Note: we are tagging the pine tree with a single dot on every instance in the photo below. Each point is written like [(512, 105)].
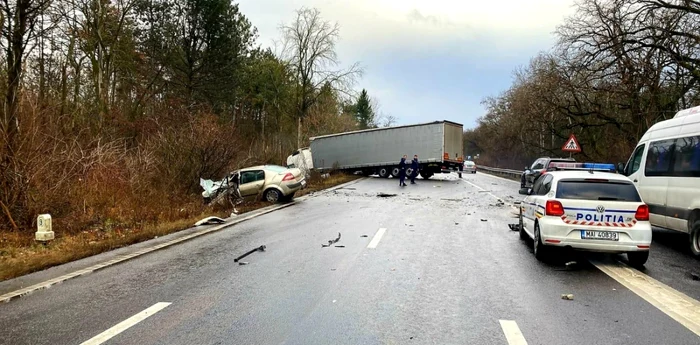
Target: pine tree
[(364, 112)]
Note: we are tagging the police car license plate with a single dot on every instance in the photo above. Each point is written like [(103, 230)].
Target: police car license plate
[(600, 235)]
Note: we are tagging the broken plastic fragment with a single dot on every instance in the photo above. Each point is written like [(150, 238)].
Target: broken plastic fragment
[(209, 221), (568, 297)]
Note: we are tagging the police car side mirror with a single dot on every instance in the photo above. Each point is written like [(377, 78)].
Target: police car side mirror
[(524, 191)]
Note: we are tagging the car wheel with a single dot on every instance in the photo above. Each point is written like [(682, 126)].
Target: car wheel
[(523, 235), (638, 259), (272, 195), (695, 239), (383, 172), (537, 247)]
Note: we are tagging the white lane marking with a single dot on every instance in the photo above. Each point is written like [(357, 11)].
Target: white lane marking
[(377, 237), (482, 189), (673, 303), (496, 177), (126, 324), (512, 332)]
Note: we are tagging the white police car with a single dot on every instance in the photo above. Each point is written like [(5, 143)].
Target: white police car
[(586, 206)]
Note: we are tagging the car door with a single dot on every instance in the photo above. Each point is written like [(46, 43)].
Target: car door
[(539, 191), (651, 179), (530, 206), (252, 183)]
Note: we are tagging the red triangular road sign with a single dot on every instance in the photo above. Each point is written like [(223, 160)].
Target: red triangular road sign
[(571, 145)]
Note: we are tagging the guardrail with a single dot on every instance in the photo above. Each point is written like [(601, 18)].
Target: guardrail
[(514, 174)]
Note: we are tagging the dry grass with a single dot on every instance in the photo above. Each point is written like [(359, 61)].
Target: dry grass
[(20, 254)]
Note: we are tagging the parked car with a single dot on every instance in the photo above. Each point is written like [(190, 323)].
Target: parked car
[(470, 166), (586, 208), (271, 183), (665, 167), (530, 174)]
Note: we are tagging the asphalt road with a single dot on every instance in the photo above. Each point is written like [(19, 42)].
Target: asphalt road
[(438, 265)]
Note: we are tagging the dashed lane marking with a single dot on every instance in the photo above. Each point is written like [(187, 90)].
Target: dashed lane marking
[(126, 324), (377, 237), (512, 332)]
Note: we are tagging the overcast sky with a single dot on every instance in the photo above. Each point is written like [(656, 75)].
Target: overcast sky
[(432, 59)]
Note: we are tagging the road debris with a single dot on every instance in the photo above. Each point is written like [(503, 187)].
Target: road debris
[(571, 264), (261, 248), (568, 297), (456, 223), (340, 246), (331, 242), (364, 236), (514, 227), (694, 276), (484, 220), (210, 221), (242, 263), (385, 195)]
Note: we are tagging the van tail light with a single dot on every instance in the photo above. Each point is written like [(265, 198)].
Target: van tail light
[(288, 177), (554, 208), (642, 213)]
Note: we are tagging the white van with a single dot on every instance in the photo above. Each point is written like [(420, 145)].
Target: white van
[(665, 167)]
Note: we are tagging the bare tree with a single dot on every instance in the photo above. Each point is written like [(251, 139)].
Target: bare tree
[(309, 49)]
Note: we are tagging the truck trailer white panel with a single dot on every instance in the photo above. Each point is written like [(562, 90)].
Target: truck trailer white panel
[(385, 146)]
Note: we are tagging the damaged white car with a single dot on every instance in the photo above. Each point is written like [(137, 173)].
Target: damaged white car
[(272, 183)]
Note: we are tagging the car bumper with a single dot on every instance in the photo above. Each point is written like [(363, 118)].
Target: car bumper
[(555, 232), (293, 187)]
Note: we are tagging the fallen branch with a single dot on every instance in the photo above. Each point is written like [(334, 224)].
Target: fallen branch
[(9, 216)]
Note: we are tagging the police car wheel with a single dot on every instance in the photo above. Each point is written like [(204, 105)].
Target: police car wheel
[(537, 247), (523, 235), (638, 259)]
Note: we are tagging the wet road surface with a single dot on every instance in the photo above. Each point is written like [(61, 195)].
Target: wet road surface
[(435, 264)]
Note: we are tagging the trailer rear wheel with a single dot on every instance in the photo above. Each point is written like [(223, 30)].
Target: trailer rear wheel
[(383, 172), (426, 175), (395, 172)]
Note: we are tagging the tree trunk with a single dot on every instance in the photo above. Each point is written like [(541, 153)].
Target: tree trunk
[(299, 133)]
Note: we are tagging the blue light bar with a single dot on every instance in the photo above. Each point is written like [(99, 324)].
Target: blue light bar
[(600, 166)]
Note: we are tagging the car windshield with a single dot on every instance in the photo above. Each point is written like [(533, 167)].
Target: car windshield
[(598, 190)]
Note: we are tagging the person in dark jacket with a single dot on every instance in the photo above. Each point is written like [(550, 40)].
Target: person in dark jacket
[(414, 167), (402, 171)]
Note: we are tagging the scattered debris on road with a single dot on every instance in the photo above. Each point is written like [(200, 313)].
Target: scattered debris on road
[(484, 220), (456, 223), (210, 221), (568, 297), (514, 227), (340, 246), (242, 263), (261, 248), (571, 264), (385, 195), (364, 236), (331, 242), (457, 200)]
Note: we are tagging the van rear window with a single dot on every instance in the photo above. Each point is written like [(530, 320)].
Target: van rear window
[(597, 190)]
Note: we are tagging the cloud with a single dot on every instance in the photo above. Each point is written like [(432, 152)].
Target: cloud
[(428, 60)]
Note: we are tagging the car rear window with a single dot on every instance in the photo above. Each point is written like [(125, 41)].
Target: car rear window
[(597, 190), (276, 168)]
